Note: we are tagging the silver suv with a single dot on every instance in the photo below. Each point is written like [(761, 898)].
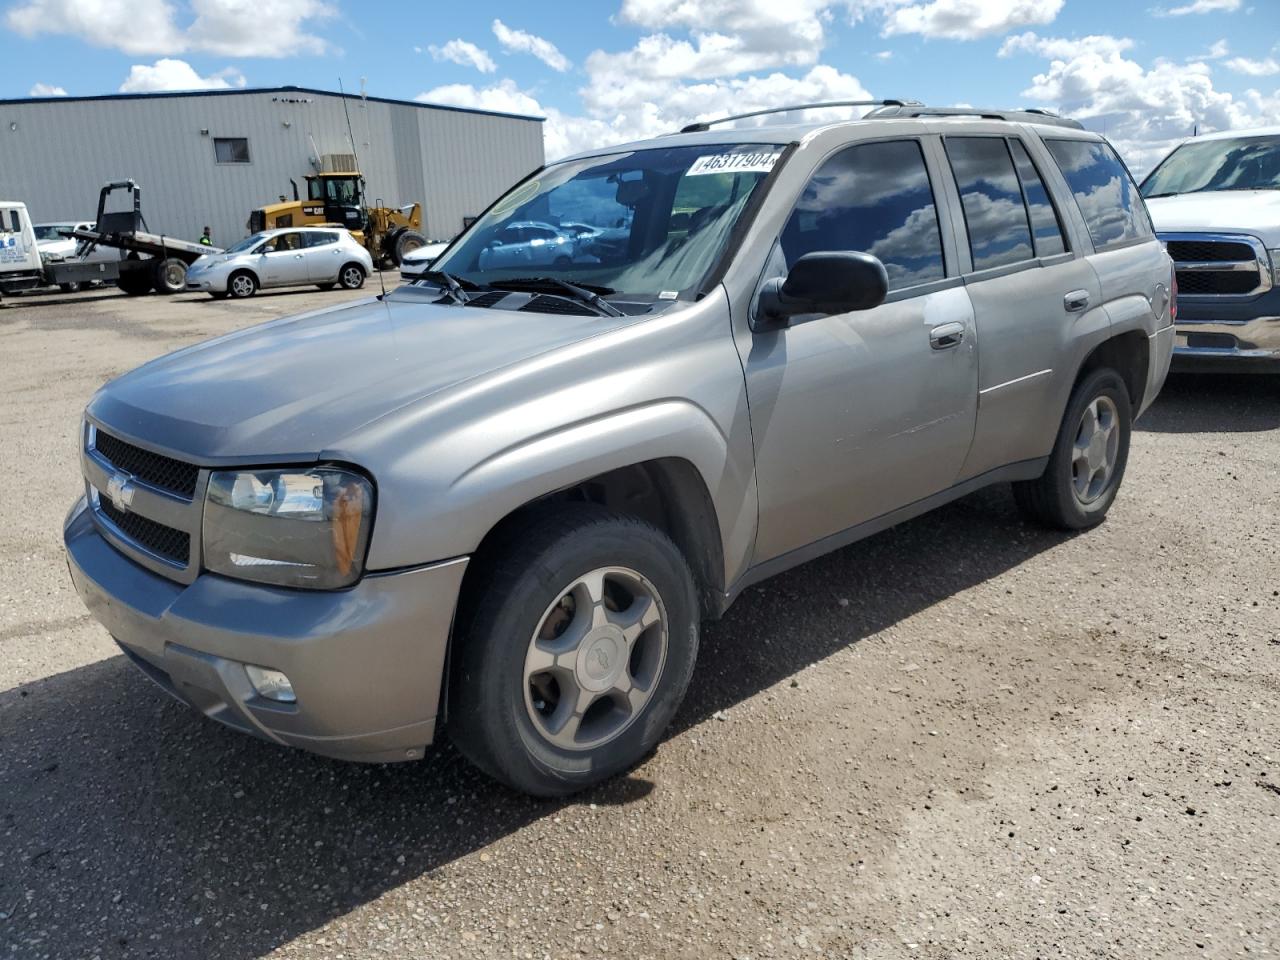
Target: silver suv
[(504, 501)]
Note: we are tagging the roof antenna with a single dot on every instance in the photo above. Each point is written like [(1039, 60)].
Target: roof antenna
[(364, 208)]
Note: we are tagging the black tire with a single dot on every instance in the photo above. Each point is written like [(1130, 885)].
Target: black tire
[(326, 286), (169, 276), (241, 285), (509, 594), (135, 283), (351, 276), (72, 286), (405, 241), (1052, 499)]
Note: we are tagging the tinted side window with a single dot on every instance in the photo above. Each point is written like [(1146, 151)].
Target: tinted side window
[(994, 213), (875, 198), (1044, 218), (1107, 196), (321, 239)]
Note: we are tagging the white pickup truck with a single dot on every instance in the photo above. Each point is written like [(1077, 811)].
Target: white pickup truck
[(20, 265), (1215, 202)]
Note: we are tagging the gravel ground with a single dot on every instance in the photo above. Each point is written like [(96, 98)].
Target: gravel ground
[(962, 738)]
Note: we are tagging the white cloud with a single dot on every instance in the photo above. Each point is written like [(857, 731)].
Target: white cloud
[(464, 53), (257, 28), (1198, 6), (1143, 110), (239, 28), (884, 55), (168, 74), (616, 113), (967, 19), (1217, 50), (1254, 68), (46, 90), (521, 42)]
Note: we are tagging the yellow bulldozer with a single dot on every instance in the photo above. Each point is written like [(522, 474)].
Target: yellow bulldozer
[(337, 199)]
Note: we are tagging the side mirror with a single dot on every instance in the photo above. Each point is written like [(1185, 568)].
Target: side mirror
[(824, 282)]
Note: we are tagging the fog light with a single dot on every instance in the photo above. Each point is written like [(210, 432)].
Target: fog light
[(271, 684)]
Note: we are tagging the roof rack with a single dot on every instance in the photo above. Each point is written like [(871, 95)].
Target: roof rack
[(704, 125), (1025, 115)]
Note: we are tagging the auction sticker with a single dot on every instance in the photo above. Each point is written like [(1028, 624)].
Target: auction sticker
[(759, 161)]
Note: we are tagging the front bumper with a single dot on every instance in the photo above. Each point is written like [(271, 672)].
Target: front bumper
[(1228, 334), (367, 664), (206, 284)]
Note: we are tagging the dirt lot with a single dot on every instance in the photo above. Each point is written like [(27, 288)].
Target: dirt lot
[(962, 738)]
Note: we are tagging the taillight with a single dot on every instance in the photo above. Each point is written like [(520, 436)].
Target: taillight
[(1173, 295)]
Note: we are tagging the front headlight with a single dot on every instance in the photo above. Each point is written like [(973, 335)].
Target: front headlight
[(294, 528)]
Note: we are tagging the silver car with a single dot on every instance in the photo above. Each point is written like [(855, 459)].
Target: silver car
[(500, 501), (528, 244), (317, 256)]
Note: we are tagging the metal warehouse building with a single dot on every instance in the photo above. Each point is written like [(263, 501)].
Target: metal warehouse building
[(209, 157)]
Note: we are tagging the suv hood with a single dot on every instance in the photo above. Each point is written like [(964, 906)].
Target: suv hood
[(290, 389), (1255, 212)]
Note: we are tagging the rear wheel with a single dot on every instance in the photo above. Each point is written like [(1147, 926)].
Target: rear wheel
[(575, 647), (351, 276), (170, 276), (135, 283), (241, 285), (406, 241), (1087, 465), (72, 286)]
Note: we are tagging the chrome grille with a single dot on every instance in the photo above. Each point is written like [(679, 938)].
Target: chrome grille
[(145, 504), (1218, 265)]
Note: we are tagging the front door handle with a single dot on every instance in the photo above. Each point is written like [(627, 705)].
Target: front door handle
[(946, 335), (1076, 301)]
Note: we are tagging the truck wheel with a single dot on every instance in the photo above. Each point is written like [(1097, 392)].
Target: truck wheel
[(574, 650), (351, 276), (406, 241), (242, 284), (170, 276), (135, 283), (1088, 460), (72, 286)]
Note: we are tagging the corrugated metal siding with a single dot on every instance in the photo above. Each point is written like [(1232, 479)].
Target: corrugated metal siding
[(62, 152)]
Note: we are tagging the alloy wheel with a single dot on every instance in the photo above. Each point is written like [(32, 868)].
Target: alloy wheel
[(1094, 453)]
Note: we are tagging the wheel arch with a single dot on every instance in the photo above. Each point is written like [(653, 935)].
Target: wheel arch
[(1127, 353)]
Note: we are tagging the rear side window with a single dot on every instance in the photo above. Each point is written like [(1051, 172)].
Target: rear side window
[(874, 198), (320, 238), (1045, 226), (1104, 191), (994, 214)]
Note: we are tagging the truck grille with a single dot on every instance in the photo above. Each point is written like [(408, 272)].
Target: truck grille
[(173, 545), (164, 473), (1218, 265)]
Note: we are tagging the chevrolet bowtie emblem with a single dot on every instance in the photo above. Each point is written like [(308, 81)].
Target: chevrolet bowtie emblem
[(120, 489)]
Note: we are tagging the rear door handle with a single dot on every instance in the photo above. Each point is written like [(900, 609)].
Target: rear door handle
[(946, 335), (1076, 301)]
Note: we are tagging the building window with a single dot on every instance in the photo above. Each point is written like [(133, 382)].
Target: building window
[(231, 149)]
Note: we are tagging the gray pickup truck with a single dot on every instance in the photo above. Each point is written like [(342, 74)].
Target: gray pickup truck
[(502, 499)]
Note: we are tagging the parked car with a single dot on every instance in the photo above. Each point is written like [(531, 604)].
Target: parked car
[(302, 256), (57, 245), (1215, 200), (528, 244), (413, 263), (502, 500)]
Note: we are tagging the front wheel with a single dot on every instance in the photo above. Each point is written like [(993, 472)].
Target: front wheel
[(575, 648), (1087, 464), (241, 285), (351, 276)]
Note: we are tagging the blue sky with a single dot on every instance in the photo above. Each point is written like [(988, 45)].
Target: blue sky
[(1146, 73)]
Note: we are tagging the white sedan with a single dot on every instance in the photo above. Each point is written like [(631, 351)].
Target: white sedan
[(415, 262), (291, 257)]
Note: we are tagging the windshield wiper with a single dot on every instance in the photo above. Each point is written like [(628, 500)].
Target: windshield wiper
[(455, 287), (588, 293)]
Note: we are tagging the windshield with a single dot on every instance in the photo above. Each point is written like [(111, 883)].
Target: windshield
[(647, 224), (247, 243), (1244, 163), (49, 231)]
